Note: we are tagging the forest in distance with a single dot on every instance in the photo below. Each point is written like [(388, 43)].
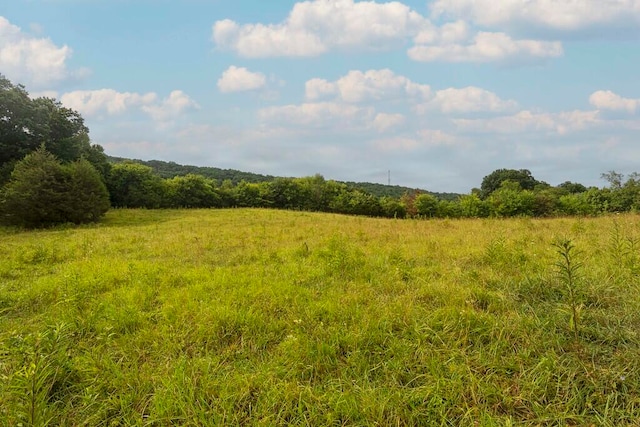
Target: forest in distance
[(51, 173), (173, 169)]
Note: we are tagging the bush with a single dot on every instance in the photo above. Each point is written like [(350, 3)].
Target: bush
[(133, 185), (44, 192)]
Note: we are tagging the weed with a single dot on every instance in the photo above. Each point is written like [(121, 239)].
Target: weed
[(568, 273)]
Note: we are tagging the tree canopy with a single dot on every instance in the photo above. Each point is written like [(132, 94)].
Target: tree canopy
[(494, 180), (26, 124)]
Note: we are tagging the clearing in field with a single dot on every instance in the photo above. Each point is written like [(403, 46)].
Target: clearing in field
[(260, 317)]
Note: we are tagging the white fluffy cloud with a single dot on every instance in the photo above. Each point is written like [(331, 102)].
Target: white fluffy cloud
[(487, 47), (467, 100), (384, 122), (175, 104), (376, 85), (320, 114), (318, 26), (436, 137), (93, 103), (314, 27), (562, 15), (527, 121), (372, 85), (36, 62), (422, 139), (239, 79), (607, 100)]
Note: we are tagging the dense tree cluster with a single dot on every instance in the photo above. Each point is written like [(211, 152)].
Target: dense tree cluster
[(50, 173)]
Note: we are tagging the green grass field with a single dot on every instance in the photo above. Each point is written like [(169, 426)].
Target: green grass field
[(261, 317)]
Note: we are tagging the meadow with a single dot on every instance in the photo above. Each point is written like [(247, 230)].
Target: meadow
[(267, 318)]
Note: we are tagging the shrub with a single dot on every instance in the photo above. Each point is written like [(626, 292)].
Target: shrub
[(43, 192)]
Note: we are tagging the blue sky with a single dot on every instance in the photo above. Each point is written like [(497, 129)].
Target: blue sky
[(439, 92)]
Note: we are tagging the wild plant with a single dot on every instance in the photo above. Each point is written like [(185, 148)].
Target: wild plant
[(43, 377), (624, 249), (568, 269)]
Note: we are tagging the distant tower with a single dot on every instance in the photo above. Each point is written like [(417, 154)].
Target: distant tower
[(389, 177)]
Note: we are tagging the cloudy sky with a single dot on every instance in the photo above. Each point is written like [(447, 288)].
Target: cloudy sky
[(439, 92)]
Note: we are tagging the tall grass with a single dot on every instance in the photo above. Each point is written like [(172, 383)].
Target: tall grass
[(259, 317)]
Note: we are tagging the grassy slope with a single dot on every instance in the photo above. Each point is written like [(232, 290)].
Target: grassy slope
[(272, 318)]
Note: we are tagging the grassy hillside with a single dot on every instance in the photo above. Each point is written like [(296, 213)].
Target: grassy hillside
[(259, 317)]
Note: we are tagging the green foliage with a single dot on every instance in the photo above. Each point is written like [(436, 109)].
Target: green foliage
[(247, 195), (517, 194), (27, 124), (88, 198), (168, 170), (494, 180), (509, 200), (472, 206), (132, 185), (193, 191), (392, 208), (426, 205), (396, 191), (576, 204), (286, 193), (568, 273), (572, 187), (44, 192)]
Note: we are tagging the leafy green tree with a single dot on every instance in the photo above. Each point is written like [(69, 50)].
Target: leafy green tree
[(623, 196), (36, 192), (426, 205), (408, 200), (192, 191), (510, 200), (614, 179), (546, 201), (572, 187), (43, 192), (472, 206), (494, 180), (88, 198), (18, 126), (318, 193), (26, 124), (132, 185), (392, 208), (575, 204), (286, 193), (356, 202), (251, 195), (449, 209)]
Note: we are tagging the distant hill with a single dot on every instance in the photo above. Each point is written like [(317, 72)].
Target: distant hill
[(172, 169), (397, 191)]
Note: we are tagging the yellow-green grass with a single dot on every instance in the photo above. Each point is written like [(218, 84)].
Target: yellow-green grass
[(262, 317)]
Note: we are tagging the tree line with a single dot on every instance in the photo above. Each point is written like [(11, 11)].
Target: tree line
[(173, 169), (50, 173)]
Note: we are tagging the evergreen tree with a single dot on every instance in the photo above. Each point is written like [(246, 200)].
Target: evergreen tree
[(43, 192)]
